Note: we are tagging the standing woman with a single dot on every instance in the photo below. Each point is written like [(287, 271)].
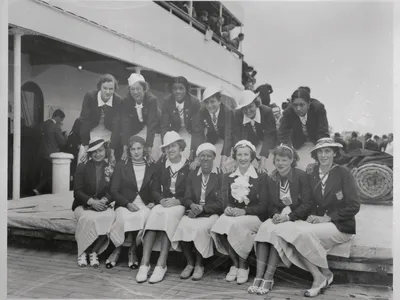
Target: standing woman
[(166, 215), (91, 204), (140, 117), (101, 116), (302, 124), (214, 124), (178, 111), (131, 189), (204, 204), (245, 195), (332, 221), (289, 199), (256, 123)]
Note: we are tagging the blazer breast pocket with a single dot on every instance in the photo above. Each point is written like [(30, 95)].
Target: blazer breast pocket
[(339, 195)]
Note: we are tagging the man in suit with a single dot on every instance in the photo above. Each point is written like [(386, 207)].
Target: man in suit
[(51, 141), (370, 144), (354, 143), (338, 139), (265, 90)]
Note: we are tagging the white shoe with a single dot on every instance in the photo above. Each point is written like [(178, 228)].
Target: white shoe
[(94, 260), (142, 274), (231, 276), (82, 260), (158, 274), (242, 275)]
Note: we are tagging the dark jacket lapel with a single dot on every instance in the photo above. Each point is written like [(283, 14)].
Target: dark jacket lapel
[(147, 175), (186, 110), (212, 181), (331, 181), (221, 117), (91, 175), (181, 176), (130, 173), (316, 185), (294, 186)]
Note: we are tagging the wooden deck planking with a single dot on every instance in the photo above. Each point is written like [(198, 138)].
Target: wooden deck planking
[(44, 274)]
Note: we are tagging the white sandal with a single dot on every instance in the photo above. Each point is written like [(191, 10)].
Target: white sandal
[(261, 290), (82, 260), (253, 288), (94, 261)]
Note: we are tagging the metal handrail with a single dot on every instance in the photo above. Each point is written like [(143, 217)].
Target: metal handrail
[(198, 25)]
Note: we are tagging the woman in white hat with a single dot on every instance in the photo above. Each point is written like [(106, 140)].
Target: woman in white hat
[(289, 199), (302, 123), (132, 192), (331, 220), (178, 111), (169, 191), (244, 193), (203, 205), (140, 117), (214, 124), (91, 204), (101, 117), (256, 123)]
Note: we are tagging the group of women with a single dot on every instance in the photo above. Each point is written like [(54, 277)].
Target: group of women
[(223, 196)]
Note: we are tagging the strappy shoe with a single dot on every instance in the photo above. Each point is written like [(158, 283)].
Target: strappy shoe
[(132, 264), (262, 290), (113, 258), (82, 260), (315, 291), (253, 288), (94, 260), (187, 272), (329, 280)]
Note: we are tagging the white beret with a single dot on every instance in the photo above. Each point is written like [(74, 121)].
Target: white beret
[(206, 146), (244, 143), (135, 78)]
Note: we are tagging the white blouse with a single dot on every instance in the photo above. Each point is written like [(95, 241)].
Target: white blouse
[(174, 170)]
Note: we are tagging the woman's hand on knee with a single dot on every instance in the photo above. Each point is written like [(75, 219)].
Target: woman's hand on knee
[(150, 205)]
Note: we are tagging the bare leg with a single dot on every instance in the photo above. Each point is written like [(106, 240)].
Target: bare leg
[(199, 259), (262, 257), (165, 245), (98, 243), (327, 273), (232, 254), (319, 278), (273, 261), (132, 251), (187, 249), (148, 242)]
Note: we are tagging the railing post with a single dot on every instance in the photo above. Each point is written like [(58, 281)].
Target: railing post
[(61, 171), (191, 11)]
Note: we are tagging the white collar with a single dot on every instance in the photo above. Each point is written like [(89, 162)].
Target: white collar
[(216, 114), (304, 118), (179, 105), (251, 172), (168, 163), (256, 118), (100, 101), (214, 170)]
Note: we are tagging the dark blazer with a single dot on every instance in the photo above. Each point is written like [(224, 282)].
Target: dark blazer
[(162, 182), (214, 204), (258, 205), (85, 184), (266, 131), (371, 145), (170, 116), (353, 145), (124, 188), (340, 200), (300, 192), (51, 139), (90, 118), (203, 123), (130, 120), (290, 131)]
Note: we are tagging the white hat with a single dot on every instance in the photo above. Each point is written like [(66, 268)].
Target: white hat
[(210, 91), (325, 142), (135, 78), (244, 143), (206, 146), (171, 137), (95, 144), (246, 98)]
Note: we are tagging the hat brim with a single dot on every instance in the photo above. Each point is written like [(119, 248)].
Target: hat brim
[(331, 145), (165, 145), (209, 96), (95, 147), (248, 102)]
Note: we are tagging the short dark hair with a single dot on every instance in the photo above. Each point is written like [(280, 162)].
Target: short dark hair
[(376, 137), (182, 80), (354, 134), (368, 135), (58, 113), (337, 134), (285, 152), (302, 93), (384, 136), (306, 88), (335, 149), (253, 153), (107, 78), (241, 34)]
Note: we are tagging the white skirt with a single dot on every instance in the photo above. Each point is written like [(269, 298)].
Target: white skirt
[(312, 241), (156, 150), (241, 232), (90, 225), (196, 230), (100, 131), (187, 137), (164, 219), (127, 221), (305, 156)]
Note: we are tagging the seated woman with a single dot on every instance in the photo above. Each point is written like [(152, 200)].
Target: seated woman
[(132, 191), (302, 123), (166, 215), (214, 124), (91, 204), (204, 204), (332, 222), (289, 199), (139, 117), (256, 123), (245, 195)]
